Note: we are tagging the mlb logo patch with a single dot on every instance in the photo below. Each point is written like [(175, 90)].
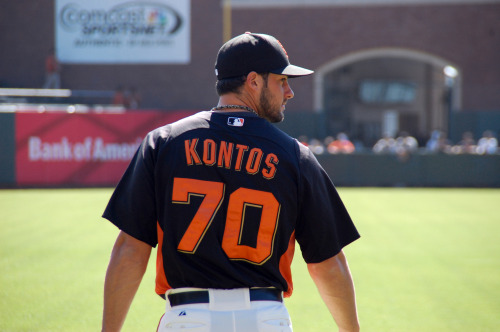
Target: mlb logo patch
[(235, 122)]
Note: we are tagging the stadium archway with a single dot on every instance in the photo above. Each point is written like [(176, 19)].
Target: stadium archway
[(385, 91)]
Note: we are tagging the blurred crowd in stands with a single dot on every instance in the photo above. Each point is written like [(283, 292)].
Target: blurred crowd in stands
[(404, 144), (52, 71), (126, 97)]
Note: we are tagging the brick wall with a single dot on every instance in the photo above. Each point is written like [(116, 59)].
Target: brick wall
[(466, 35)]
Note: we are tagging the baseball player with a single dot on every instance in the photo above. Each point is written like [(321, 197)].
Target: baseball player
[(224, 196)]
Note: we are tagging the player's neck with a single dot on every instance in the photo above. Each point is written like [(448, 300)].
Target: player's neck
[(234, 99)]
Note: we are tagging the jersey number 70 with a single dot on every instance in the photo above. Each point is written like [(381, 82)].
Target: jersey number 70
[(213, 194)]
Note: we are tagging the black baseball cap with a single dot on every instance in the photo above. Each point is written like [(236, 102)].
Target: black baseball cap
[(255, 52)]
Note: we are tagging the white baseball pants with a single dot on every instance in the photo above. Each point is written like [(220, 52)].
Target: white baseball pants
[(227, 311)]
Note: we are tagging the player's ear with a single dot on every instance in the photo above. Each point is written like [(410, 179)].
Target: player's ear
[(253, 80)]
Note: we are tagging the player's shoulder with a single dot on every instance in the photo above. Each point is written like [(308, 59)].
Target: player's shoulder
[(162, 135), (195, 121), (287, 144), (307, 159)]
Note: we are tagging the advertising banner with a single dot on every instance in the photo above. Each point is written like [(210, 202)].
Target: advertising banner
[(55, 149), (122, 31)]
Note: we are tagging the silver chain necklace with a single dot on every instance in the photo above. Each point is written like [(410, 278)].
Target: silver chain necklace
[(241, 107)]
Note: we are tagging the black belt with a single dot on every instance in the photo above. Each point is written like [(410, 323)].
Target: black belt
[(194, 297)]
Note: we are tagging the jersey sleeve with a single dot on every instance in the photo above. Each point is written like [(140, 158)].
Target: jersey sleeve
[(324, 226), (132, 207)]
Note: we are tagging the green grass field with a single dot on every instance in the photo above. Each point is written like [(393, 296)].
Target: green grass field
[(428, 260)]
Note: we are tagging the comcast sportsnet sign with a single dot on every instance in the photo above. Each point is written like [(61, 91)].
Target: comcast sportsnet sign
[(118, 31)]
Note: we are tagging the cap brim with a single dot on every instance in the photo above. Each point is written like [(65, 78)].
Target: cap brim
[(293, 71)]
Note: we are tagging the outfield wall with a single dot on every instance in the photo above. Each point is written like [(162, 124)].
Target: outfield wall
[(419, 170), (7, 150), (93, 149)]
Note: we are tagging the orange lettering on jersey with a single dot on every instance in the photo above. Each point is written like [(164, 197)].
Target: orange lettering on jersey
[(271, 162), (225, 154), (241, 150), (209, 149), (254, 159), (222, 153), (239, 200), (191, 155)]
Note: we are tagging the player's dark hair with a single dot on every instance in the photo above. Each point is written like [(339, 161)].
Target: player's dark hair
[(233, 84), (228, 85)]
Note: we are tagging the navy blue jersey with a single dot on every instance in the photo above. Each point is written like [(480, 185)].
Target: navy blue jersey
[(225, 196)]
